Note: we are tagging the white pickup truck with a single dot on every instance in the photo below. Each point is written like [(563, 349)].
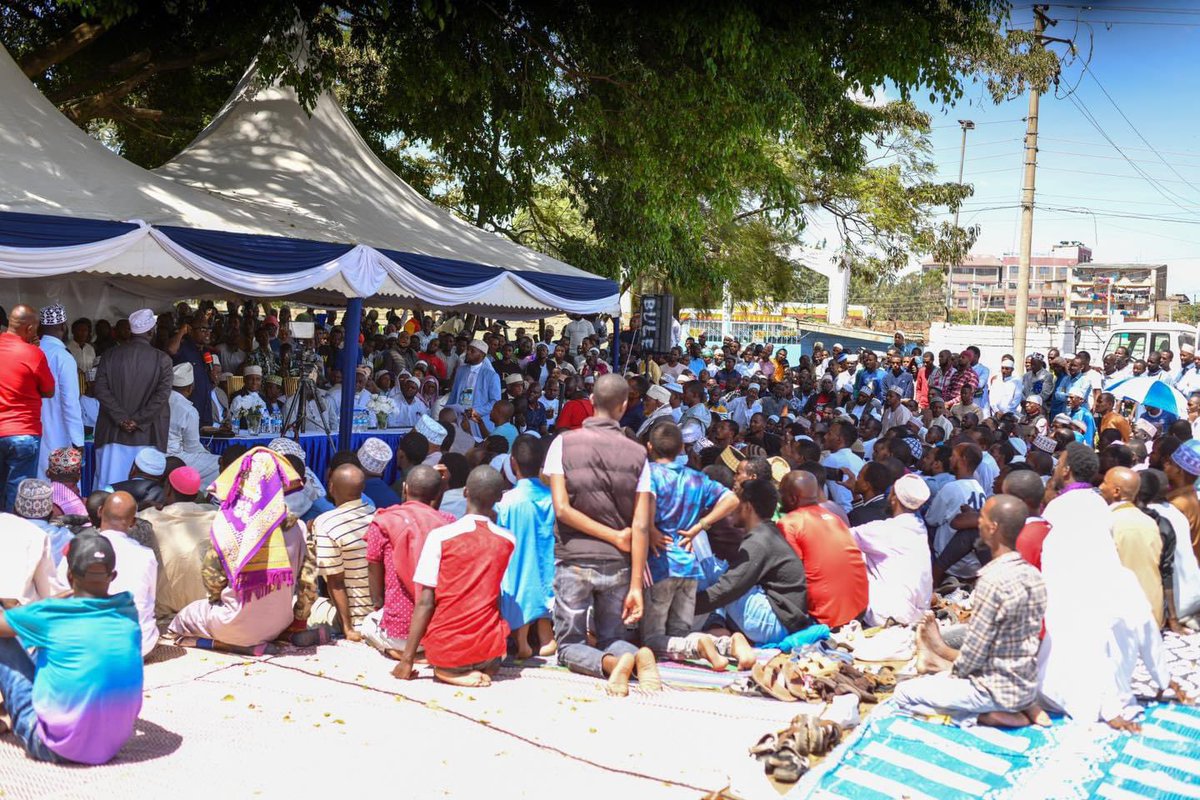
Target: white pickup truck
[(1146, 337)]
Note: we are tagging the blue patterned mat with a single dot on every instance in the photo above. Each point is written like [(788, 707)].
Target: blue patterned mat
[(893, 755)]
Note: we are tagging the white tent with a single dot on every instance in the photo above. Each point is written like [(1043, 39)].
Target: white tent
[(62, 195)]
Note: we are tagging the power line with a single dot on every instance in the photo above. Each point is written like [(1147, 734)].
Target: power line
[(1134, 128)]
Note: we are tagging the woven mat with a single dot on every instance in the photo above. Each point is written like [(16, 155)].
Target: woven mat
[(894, 755)]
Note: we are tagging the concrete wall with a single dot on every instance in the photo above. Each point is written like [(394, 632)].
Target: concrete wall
[(994, 341)]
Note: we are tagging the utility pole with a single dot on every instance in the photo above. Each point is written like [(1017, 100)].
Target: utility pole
[(966, 125), (1021, 318)]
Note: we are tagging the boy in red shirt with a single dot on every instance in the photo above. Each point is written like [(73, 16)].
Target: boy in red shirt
[(457, 619)]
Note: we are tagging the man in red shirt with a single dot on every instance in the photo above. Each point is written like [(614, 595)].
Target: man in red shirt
[(837, 576), (25, 378), (1026, 485), (457, 619), (395, 539)]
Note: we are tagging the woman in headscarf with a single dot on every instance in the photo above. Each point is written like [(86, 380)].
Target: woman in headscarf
[(256, 567), (430, 390), (63, 471)]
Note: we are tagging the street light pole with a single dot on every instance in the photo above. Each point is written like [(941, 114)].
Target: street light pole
[(966, 125)]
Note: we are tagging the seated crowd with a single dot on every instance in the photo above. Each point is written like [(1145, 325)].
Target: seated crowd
[(699, 506)]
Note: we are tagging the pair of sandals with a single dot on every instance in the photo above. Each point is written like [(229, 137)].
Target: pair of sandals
[(785, 755), (814, 680)]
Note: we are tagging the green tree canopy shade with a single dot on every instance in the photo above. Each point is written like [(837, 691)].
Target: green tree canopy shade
[(684, 142)]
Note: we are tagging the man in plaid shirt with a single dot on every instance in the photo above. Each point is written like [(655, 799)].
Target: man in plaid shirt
[(993, 678), (963, 376)]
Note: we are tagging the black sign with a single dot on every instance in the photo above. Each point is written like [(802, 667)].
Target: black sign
[(657, 316)]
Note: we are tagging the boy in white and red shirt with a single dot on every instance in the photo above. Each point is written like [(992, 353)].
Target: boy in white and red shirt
[(457, 619)]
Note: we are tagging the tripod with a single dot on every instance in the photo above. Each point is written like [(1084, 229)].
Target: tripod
[(298, 405)]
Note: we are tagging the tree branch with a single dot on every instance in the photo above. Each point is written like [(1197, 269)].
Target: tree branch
[(88, 108), (61, 49)]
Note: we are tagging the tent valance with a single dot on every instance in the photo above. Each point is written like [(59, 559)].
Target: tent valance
[(38, 245)]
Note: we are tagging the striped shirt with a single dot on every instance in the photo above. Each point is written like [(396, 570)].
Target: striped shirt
[(341, 539)]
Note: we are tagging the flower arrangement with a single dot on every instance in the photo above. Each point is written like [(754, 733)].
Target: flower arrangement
[(383, 407), (250, 409)]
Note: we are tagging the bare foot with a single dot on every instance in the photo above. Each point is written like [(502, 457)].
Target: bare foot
[(928, 661), (742, 651), (618, 679), (548, 649), (1037, 716), (524, 651), (472, 679), (647, 670), (710, 653), (1004, 719), (929, 631), (394, 655)]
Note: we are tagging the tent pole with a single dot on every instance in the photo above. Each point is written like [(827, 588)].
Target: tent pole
[(352, 324), (614, 344)]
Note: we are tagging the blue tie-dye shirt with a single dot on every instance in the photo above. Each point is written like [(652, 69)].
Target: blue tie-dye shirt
[(681, 497), (87, 691)]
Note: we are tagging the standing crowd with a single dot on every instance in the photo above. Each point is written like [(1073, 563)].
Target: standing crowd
[(573, 496)]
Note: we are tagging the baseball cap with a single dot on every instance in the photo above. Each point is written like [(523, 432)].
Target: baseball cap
[(87, 549)]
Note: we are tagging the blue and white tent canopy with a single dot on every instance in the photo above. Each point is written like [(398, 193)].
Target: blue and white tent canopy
[(266, 202)]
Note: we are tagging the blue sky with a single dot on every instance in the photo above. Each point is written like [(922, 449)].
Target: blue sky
[(1147, 56)]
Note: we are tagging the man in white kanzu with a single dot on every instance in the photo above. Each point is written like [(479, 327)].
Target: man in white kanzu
[(183, 433), (62, 418), (1004, 390)]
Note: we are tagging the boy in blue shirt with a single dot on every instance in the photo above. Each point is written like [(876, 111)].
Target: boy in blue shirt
[(686, 502), (79, 700)]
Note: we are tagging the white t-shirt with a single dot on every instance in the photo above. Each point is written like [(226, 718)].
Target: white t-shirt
[(554, 465), (944, 507), (842, 458)]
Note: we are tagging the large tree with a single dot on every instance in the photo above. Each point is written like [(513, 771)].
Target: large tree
[(685, 142)]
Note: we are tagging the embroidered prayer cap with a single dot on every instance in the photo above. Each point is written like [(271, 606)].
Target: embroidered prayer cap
[(1061, 419), (868, 387), (1044, 443), (893, 389), (692, 431), (659, 393), (251, 371), (54, 315), (287, 447), (35, 499), (672, 386), (65, 461), (374, 455), (1146, 428), (731, 458), (431, 429), (151, 461), (753, 387), (513, 377), (480, 345), (1036, 399), (779, 468), (184, 375), (1075, 391), (1018, 445), (911, 491), (1187, 348), (185, 480), (914, 447), (142, 321), (275, 379), (1186, 457)]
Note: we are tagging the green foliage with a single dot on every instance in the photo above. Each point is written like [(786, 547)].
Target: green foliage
[(683, 146)]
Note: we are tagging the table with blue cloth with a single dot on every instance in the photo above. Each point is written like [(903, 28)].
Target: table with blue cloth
[(318, 451)]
